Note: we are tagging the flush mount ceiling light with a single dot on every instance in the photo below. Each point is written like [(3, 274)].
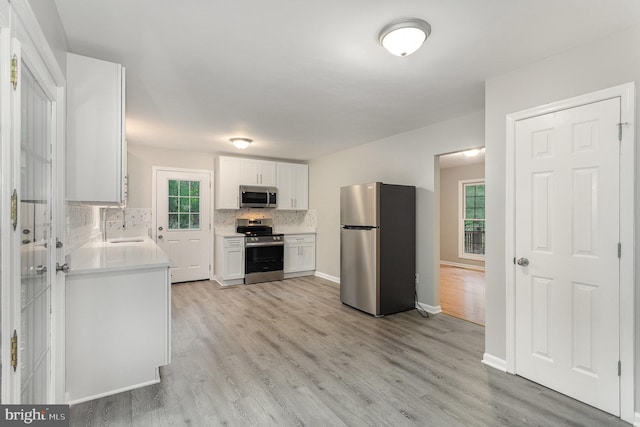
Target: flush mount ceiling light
[(241, 143), (404, 36), (473, 152)]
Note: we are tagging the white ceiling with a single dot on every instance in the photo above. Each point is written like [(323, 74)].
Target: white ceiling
[(305, 78)]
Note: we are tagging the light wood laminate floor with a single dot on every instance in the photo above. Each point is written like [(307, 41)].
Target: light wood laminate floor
[(290, 354), (462, 293)]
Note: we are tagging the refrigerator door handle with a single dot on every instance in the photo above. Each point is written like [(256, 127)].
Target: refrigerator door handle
[(359, 227)]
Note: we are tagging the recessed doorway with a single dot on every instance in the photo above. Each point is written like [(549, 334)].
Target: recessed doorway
[(462, 234)]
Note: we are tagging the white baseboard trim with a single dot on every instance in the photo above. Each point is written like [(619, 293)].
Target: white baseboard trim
[(234, 282), (431, 309), (636, 419), (459, 265), (298, 274), (327, 277), (112, 392), (494, 362)]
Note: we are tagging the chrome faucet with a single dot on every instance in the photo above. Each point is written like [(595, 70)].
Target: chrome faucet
[(104, 220)]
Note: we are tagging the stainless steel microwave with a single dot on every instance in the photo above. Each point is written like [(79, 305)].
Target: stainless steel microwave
[(258, 197)]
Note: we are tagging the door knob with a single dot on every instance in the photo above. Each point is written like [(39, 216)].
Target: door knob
[(160, 228), (160, 236), (64, 267), (41, 269), (523, 262)]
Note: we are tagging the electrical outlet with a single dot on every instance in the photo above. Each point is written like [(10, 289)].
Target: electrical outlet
[(417, 278)]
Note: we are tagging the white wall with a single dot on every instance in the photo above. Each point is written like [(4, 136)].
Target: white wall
[(51, 25), (450, 210), (604, 63), (408, 159), (140, 161)]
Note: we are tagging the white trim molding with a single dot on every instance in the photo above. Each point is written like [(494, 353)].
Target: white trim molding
[(327, 277), (627, 95), (494, 362), (431, 309), (459, 265)]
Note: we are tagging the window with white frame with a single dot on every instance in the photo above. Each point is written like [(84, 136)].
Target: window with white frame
[(472, 219)]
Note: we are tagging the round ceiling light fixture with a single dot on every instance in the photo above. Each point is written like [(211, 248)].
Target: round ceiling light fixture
[(241, 143), (404, 36)]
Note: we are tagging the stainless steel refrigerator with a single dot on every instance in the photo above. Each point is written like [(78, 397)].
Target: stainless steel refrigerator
[(378, 247)]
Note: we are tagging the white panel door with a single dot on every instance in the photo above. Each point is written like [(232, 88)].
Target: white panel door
[(183, 223), (567, 228)]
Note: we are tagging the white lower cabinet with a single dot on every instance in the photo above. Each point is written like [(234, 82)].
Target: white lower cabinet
[(299, 255), (118, 331), (229, 266)]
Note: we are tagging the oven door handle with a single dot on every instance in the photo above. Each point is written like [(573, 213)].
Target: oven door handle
[(256, 245)]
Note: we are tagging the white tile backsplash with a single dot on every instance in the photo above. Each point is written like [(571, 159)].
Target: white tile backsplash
[(306, 219), (82, 224), (128, 222)]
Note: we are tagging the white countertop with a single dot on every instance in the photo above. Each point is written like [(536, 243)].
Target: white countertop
[(99, 256), (227, 232), (285, 229)]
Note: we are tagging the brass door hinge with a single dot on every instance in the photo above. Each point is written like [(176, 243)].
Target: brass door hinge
[(14, 351), (14, 72), (14, 209)]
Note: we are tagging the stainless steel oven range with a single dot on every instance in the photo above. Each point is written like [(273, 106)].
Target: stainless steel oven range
[(263, 250)]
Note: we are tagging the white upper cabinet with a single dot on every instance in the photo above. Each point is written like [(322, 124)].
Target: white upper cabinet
[(96, 147), (293, 186), (291, 180), (228, 183), (257, 172)]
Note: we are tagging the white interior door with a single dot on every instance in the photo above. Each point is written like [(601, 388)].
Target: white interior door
[(183, 222), (567, 301)]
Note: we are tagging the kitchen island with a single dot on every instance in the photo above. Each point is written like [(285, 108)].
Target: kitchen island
[(118, 317)]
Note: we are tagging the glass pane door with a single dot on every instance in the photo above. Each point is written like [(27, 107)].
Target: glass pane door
[(36, 251)]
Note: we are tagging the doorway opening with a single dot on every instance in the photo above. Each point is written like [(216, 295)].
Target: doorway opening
[(462, 234)]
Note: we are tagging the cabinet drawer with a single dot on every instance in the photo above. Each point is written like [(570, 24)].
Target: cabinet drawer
[(300, 238), (234, 242)]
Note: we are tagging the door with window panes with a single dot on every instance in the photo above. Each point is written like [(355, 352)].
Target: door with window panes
[(472, 220), (182, 221)]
